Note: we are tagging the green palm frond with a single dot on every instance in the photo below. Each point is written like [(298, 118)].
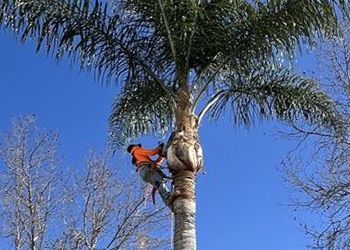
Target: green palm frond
[(90, 34), (152, 33), (245, 31), (173, 21), (269, 92), (160, 33), (141, 109), (241, 34), (279, 25)]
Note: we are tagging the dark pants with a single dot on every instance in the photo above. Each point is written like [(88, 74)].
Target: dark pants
[(156, 179)]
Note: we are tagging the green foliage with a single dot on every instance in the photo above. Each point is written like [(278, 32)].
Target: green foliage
[(93, 35), (271, 92), (150, 46), (139, 111)]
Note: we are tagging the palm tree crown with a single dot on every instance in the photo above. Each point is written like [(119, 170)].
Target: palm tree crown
[(221, 54)]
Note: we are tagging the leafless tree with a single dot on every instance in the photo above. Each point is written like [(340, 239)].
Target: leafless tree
[(322, 182), (42, 207), (106, 212), (29, 184)]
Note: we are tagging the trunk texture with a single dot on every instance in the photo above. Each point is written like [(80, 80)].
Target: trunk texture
[(184, 155), (184, 209)]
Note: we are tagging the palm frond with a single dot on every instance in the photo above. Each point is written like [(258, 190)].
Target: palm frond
[(280, 25), (90, 34), (242, 34), (141, 109), (269, 92), (253, 31), (173, 21), (151, 33)]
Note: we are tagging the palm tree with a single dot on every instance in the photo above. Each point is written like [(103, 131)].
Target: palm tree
[(180, 60)]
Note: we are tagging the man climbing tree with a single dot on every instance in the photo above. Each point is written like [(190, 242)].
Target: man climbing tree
[(180, 60), (149, 169)]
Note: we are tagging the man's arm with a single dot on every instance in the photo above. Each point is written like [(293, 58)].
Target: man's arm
[(147, 152)]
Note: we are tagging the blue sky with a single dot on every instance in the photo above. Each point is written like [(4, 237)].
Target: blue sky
[(239, 198)]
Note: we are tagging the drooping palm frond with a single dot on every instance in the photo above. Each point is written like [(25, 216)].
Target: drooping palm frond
[(280, 25), (246, 33), (113, 43), (274, 93), (88, 33), (157, 34), (141, 109), (174, 21)]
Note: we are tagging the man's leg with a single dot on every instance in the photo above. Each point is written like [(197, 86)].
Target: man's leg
[(155, 178), (145, 173), (159, 183)]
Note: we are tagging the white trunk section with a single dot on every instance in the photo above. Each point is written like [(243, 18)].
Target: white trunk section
[(185, 224), (184, 209)]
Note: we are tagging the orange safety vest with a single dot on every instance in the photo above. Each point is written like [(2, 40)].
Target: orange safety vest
[(142, 156)]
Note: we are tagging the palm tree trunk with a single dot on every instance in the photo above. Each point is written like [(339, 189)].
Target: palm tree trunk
[(184, 155), (184, 209)]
